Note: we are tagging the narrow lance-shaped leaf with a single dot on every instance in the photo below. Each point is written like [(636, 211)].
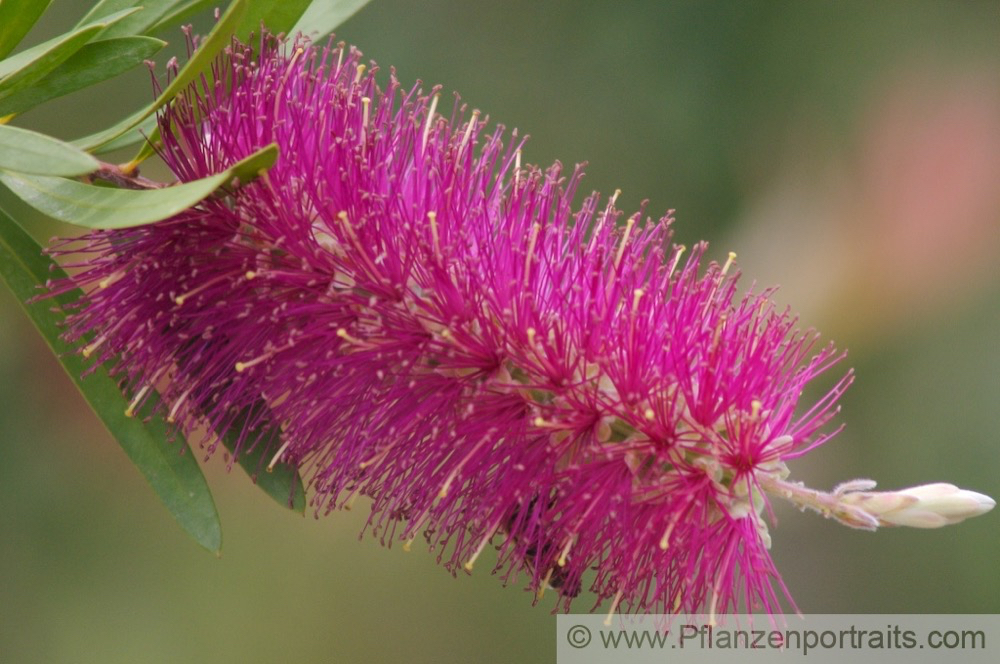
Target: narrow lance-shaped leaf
[(16, 18), (277, 15), (180, 12), (142, 23), (127, 131), (174, 476), (216, 40), (24, 69), (103, 8), (93, 206), (141, 132), (325, 16), (95, 62), (280, 481), (27, 151)]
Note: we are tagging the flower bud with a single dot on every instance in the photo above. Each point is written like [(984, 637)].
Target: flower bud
[(925, 506)]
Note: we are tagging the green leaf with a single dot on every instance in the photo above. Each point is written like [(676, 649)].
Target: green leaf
[(148, 149), (95, 62), (154, 13), (278, 15), (24, 69), (16, 18), (92, 206), (282, 482), (169, 466), (325, 16), (27, 151), (180, 13), (124, 129), (137, 134), (21, 70), (201, 60), (104, 8)]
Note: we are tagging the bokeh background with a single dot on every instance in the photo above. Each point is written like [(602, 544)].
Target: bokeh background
[(849, 152)]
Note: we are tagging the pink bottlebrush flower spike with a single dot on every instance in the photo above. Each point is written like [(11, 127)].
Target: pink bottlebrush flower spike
[(401, 308)]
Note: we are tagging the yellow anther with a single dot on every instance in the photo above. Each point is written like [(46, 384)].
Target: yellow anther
[(365, 104), (665, 540), (677, 257), (343, 334), (535, 230), (130, 411), (649, 414), (89, 350), (565, 552), (468, 129), (430, 119), (614, 607), (110, 279), (729, 262), (177, 405), (629, 224), (479, 549), (432, 219), (277, 456)]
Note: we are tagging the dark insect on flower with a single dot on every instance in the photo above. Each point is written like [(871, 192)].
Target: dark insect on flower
[(555, 576)]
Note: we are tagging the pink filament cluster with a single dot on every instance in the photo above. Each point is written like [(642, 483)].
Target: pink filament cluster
[(405, 313)]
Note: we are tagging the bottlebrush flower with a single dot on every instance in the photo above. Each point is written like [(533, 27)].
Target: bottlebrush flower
[(406, 312)]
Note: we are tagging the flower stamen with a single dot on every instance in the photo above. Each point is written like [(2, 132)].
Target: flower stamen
[(111, 278), (629, 224), (530, 253), (179, 300), (432, 219), (264, 357), (468, 130), (177, 404), (277, 456), (130, 411), (614, 607), (430, 120)]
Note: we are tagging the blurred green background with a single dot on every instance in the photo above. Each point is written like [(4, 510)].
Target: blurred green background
[(848, 151)]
